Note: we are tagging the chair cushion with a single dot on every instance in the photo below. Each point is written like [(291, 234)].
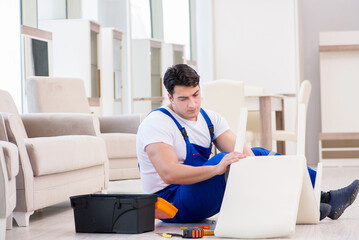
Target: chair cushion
[(11, 159), (120, 145), (64, 153)]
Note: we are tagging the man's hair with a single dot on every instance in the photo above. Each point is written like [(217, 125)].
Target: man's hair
[(180, 75)]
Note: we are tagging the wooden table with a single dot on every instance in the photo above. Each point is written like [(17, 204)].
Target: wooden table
[(265, 104)]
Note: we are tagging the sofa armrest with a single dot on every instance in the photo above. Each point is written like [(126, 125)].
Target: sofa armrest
[(11, 156), (16, 134), (55, 124), (3, 136), (121, 123)]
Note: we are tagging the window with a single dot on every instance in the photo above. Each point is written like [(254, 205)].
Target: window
[(177, 24), (140, 19)]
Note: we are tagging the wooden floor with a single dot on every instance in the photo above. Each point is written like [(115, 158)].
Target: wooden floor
[(57, 222)]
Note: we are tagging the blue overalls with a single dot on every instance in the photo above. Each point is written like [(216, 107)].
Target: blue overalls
[(196, 202)]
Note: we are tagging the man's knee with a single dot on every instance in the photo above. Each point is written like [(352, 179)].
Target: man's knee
[(259, 151), (216, 159)]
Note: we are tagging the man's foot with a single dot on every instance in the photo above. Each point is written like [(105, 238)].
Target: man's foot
[(324, 210), (342, 198)]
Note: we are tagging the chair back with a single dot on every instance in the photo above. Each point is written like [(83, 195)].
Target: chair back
[(302, 108), (303, 98), (304, 93), (56, 95), (225, 97)]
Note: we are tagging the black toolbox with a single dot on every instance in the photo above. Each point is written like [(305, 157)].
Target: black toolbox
[(114, 213)]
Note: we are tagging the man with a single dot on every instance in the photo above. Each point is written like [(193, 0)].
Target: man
[(174, 144)]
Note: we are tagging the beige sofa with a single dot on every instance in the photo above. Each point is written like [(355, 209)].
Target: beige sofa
[(60, 156), (68, 95), (9, 168)]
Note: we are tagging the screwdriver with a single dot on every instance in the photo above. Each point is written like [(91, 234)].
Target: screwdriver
[(205, 232), (203, 227), (187, 233)]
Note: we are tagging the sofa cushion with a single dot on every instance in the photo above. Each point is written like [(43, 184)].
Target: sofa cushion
[(120, 145), (65, 153), (11, 159)]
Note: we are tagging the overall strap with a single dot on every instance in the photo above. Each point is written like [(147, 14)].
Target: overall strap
[(209, 123), (179, 126)]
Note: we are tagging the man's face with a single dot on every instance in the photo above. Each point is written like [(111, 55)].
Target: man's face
[(186, 101)]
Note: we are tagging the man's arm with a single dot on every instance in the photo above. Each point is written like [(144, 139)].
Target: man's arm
[(164, 159), (226, 142)]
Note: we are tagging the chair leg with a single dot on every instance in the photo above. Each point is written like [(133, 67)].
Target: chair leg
[(22, 218), (9, 222), (2, 228)]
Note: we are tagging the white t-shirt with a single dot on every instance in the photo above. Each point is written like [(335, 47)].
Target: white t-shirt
[(158, 127)]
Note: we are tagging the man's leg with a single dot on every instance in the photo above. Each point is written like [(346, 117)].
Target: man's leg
[(340, 199), (196, 202)]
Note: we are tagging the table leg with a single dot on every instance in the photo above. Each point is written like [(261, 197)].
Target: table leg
[(265, 110), (279, 117)]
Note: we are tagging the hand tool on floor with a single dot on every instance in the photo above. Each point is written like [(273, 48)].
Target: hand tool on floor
[(205, 228), (187, 233)]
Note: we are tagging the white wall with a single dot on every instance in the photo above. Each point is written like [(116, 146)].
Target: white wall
[(10, 58), (204, 39), (318, 16)]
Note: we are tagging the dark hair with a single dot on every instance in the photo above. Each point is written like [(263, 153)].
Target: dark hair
[(182, 75)]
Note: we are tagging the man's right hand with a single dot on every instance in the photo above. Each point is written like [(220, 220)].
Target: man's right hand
[(227, 160)]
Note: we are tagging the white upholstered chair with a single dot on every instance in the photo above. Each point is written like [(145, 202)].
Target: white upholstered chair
[(226, 97), (9, 168), (60, 156), (68, 95), (298, 135)]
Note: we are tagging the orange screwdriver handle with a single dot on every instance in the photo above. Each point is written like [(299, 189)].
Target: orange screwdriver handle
[(193, 233)]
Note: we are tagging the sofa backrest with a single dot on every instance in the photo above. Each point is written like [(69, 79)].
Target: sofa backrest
[(56, 95)]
